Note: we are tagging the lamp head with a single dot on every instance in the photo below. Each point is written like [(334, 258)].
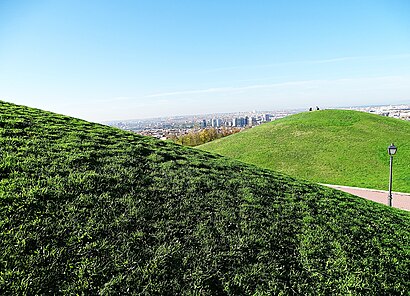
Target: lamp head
[(392, 149)]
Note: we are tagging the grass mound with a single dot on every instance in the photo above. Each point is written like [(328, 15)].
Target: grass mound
[(89, 209), (331, 146)]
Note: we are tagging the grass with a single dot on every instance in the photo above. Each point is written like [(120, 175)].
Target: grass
[(88, 209), (331, 146)]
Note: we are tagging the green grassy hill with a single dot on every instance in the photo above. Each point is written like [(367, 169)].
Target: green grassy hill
[(330, 146), (88, 209)]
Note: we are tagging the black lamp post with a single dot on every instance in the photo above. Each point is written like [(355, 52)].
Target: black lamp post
[(392, 150)]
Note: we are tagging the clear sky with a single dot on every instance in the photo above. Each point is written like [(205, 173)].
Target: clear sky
[(103, 60)]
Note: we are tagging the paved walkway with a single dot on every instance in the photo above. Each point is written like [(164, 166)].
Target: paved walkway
[(400, 200)]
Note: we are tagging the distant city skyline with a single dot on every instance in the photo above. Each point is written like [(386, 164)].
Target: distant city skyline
[(106, 60)]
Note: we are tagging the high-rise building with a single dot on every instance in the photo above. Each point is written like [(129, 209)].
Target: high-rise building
[(216, 122), (239, 122), (251, 121), (235, 121)]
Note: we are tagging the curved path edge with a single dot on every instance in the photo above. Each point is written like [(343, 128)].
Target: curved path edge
[(400, 200)]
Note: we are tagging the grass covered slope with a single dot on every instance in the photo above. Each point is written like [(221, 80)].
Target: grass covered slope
[(86, 208), (331, 146)]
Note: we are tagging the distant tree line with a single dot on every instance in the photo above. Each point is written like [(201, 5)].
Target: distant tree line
[(203, 136)]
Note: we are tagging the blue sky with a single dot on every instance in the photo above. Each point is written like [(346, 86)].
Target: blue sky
[(103, 60)]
